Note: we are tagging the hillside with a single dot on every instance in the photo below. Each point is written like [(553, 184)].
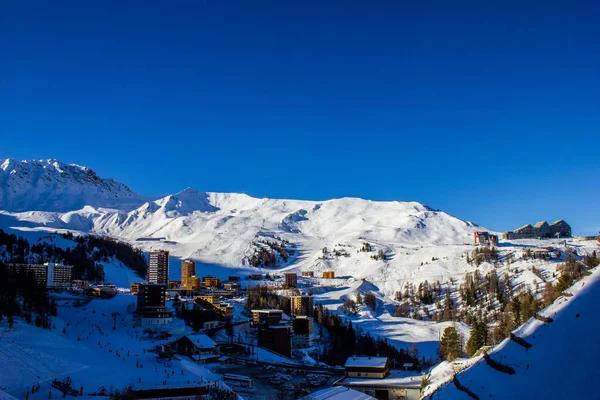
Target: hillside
[(560, 363), (83, 346), (227, 229), (387, 248)]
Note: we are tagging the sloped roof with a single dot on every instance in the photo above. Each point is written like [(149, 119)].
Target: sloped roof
[(199, 357), (399, 379), (371, 362), (526, 226), (200, 340), (338, 393)]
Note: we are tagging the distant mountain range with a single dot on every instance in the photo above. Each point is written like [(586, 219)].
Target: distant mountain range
[(224, 229)]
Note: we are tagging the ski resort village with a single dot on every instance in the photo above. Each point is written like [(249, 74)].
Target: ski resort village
[(105, 293)]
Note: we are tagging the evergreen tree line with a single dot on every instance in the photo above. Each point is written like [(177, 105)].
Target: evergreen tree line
[(536, 255), (591, 260), (490, 325), (346, 341), (424, 293), (84, 256), (21, 296), (483, 254), (266, 256), (262, 297), (351, 306)]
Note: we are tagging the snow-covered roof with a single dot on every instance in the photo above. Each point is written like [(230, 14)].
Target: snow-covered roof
[(395, 379), (198, 357), (338, 393), (372, 362), (202, 341)]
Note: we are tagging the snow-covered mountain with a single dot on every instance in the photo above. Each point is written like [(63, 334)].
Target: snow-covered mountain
[(226, 233), (225, 229), (49, 185)]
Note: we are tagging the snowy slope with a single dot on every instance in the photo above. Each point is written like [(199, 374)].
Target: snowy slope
[(214, 228), (49, 185), (561, 362), (89, 351), (221, 230)]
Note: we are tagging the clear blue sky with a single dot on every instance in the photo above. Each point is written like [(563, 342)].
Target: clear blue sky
[(488, 110)]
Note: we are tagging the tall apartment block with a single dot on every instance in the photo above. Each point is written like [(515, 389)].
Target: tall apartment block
[(290, 280), (158, 267), (302, 305), (188, 269)]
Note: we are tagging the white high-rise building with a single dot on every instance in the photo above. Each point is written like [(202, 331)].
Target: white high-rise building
[(158, 267)]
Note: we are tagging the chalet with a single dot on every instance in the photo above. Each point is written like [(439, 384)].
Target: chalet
[(200, 348), (205, 358), (405, 385), (367, 367)]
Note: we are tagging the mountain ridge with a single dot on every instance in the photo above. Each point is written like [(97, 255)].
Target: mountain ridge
[(50, 185), (230, 229), (11, 168)]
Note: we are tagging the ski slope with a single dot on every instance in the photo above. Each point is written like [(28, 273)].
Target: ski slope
[(87, 352)]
